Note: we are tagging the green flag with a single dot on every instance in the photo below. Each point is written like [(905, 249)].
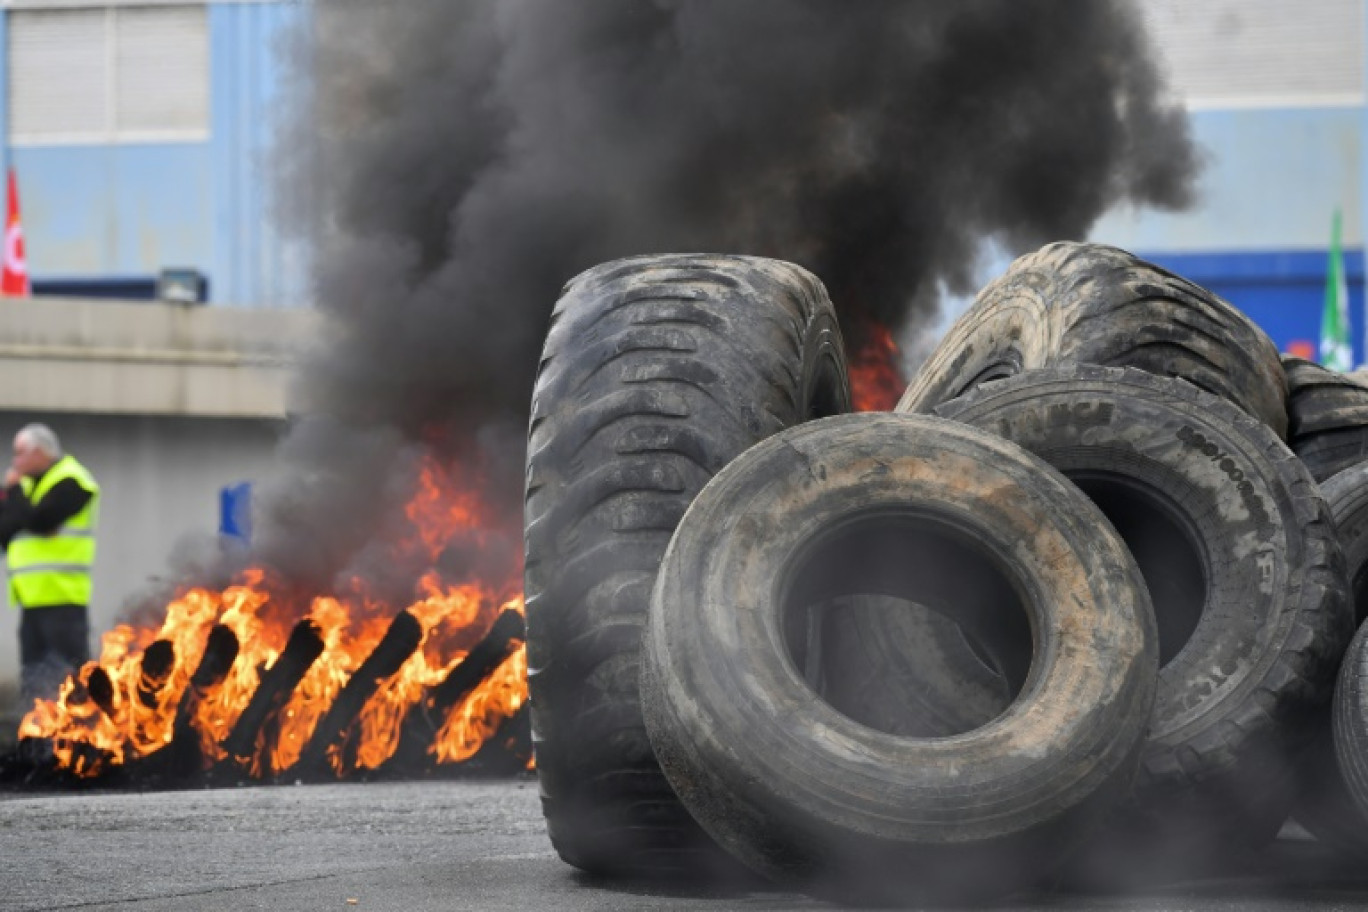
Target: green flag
[(1335, 350)]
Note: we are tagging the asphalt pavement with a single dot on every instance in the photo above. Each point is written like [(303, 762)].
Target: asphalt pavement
[(429, 846)]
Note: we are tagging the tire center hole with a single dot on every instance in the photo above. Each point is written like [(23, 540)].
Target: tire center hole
[(905, 623), (1163, 548)]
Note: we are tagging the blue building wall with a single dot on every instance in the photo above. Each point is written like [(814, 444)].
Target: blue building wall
[(1272, 181), (1260, 230), (128, 210), (1283, 291), (116, 210), (252, 263), (1258, 234)]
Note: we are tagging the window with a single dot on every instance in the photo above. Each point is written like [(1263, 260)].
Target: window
[(108, 74)]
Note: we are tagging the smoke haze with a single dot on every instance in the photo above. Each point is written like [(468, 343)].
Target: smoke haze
[(454, 163)]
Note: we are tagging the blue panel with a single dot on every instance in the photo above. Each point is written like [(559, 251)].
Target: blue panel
[(1283, 291), (105, 210), (1272, 179), (235, 510), (253, 265)]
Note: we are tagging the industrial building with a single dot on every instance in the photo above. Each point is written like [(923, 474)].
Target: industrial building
[(141, 135), (1275, 91)]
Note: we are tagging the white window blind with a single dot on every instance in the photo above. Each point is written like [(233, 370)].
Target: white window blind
[(58, 74), (1260, 53), (112, 74), (161, 66)]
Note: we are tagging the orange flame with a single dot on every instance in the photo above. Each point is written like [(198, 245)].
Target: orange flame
[(479, 716), (140, 717), (876, 380)]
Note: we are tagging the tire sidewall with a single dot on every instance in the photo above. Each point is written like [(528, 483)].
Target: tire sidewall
[(793, 787), (1247, 505)]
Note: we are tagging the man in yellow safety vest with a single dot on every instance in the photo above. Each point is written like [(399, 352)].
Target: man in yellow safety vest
[(47, 528)]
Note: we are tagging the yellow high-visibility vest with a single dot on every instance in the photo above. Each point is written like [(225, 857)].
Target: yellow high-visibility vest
[(55, 569)]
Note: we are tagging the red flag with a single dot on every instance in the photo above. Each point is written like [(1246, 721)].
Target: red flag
[(14, 280)]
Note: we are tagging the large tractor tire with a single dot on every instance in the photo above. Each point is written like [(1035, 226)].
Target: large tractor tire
[(1351, 724), (933, 513), (1090, 303), (1347, 495), (1327, 418), (1326, 807), (1239, 552), (657, 371)]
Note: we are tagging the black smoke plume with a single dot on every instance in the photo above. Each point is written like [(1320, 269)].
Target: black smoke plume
[(453, 163)]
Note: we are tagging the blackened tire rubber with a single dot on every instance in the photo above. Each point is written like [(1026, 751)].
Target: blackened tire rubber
[(656, 372), (1243, 566), (1090, 303), (1327, 416), (918, 508)]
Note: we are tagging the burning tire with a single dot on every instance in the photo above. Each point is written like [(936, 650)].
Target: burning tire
[(923, 510), (1089, 303), (657, 371), (1327, 418), (1239, 552)]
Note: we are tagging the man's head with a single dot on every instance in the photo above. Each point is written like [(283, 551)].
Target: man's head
[(36, 448)]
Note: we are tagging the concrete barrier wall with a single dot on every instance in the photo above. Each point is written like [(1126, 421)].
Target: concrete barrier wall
[(148, 358)]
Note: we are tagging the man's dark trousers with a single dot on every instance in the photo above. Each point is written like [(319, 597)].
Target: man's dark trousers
[(53, 642)]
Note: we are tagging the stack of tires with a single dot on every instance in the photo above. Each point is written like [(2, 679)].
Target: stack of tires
[(1072, 614)]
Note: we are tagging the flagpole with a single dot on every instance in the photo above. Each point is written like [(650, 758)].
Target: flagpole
[(1363, 197), (1336, 339)]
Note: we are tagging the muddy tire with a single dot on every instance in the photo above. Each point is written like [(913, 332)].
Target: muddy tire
[(657, 371), (1326, 808), (1347, 495), (1351, 726), (1327, 454), (916, 508), (1327, 418), (1247, 579), (1090, 303)]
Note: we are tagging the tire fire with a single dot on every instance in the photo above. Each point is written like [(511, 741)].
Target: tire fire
[(876, 372), (121, 709)]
